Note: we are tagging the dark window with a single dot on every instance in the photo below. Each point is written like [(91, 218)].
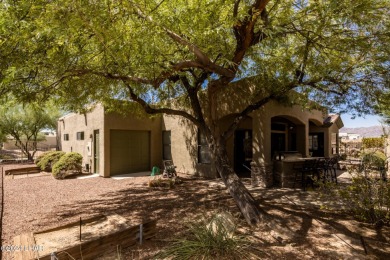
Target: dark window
[(66, 137), (203, 149), (80, 136), (166, 138), (278, 127)]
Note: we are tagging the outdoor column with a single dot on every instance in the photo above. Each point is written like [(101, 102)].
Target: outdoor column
[(306, 130), (302, 139), (261, 165)]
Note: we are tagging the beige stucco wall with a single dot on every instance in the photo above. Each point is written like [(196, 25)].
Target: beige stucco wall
[(184, 135), (73, 123), (97, 119), (184, 144), (184, 149), (262, 128)]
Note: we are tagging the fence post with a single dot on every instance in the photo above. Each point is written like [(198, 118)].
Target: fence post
[(141, 227), (53, 256)]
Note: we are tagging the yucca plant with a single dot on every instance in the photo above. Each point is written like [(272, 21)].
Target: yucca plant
[(210, 238)]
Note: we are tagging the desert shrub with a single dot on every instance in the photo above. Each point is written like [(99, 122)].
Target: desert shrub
[(343, 157), (373, 142), (48, 159), (355, 153), (68, 164), (376, 160), (369, 199), (366, 198), (6, 157), (210, 238), (166, 183)]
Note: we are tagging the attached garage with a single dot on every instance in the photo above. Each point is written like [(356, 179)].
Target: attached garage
[(129, 151)]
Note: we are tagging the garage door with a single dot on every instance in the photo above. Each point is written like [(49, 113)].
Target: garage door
[(130, 151)]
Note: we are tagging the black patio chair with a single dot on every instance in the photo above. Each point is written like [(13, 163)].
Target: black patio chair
[(330, 169)]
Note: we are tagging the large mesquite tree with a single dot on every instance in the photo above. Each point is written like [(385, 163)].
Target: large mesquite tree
[(178, 56)]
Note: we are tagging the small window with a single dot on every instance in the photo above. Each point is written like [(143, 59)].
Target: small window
[(166, 136), (80, 136), (66, 137), (203, 149)]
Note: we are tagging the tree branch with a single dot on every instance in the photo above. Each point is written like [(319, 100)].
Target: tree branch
[(201, 58), (315, 86), (81, 72), (235, 9), (244, 31), (193, 95), (152, 111)]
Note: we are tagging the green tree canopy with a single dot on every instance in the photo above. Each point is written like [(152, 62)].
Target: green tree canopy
[(154, 51)]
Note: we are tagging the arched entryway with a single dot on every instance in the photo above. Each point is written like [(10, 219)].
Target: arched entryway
[(287, 135), (316, 138)]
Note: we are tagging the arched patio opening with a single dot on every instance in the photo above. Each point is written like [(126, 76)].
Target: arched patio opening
[(288, 135), (316, 138)]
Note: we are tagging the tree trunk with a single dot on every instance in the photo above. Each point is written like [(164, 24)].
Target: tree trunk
[(244, 200), (249, 207)]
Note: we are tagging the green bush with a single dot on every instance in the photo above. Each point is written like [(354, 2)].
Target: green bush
[(376, 160), (68, 164), (48, 159), (373, 142), (368, 199)]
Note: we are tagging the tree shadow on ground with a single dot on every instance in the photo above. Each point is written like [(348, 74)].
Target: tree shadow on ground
[(316, 231), (306, 208)]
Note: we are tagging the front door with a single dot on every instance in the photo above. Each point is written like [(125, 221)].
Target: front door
[(242, 152), (96, 161)]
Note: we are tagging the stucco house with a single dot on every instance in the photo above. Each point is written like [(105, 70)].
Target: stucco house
[(115, 144)]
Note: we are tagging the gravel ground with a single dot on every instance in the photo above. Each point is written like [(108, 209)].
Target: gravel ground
[(38, 202), (34, 203), (41, 202)]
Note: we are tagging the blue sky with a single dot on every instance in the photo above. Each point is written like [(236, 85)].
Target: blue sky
[(369, 120)]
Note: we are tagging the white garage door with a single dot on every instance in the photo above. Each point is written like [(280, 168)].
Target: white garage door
[(130, 151)]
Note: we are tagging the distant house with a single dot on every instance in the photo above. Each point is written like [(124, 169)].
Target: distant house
[(114, 144), (349, 136)]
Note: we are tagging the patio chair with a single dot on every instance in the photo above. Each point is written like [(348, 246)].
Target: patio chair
[(330, 169), (320, 169), (169, 169)]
